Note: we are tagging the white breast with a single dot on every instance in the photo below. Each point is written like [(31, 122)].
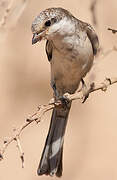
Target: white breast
[(72, 57)]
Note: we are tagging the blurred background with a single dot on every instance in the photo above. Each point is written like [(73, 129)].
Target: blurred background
[(90, 149)]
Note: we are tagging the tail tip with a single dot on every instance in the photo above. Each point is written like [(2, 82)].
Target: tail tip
[(41, 171), (52, 173)]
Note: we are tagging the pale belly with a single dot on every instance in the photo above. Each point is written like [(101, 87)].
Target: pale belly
[(68, 69)]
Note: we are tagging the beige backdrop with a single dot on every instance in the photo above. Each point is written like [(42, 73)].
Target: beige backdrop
[(90, 150)]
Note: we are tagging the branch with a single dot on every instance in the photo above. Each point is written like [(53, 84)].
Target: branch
[(42, 109), (113, 30), (20, 150)]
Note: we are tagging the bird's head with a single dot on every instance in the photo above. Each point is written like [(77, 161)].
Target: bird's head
[(48, 23)]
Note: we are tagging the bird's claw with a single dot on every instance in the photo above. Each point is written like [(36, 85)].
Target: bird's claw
[(84, 89), (64, 100), (85, 98)]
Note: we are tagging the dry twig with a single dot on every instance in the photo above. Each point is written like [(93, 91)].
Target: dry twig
[(42, 109), (113, 30), (20, 150)]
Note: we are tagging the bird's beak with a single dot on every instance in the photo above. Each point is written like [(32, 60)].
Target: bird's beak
[(36, 38)]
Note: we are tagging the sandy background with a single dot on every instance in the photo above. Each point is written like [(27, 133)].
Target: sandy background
[(90, 150)]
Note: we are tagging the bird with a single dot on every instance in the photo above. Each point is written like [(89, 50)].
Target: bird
[(71, 45)]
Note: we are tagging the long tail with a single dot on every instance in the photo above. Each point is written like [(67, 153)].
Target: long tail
[(51, 160)]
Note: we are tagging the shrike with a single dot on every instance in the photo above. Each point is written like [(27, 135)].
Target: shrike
[(71, 45)]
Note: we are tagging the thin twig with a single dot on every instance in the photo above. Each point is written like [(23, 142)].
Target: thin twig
[(113, 30), (42, 109), (20, 150)]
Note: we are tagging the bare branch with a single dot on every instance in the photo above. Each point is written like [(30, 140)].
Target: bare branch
[(42, 109), (113, 30), (20, 150)]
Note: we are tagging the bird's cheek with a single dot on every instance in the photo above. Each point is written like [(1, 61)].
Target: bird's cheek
[(50, 34), (47, 34)]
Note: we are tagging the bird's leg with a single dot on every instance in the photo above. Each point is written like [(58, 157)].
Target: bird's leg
[(56, 94), (84, 88), (64, 100)]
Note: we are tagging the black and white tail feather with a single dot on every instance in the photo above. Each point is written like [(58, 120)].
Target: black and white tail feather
[(51, 160)]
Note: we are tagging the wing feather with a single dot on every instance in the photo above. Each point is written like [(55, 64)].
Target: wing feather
[(49, 49), (93, 38)]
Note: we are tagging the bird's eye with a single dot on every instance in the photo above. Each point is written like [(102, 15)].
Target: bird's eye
[(48, 23)]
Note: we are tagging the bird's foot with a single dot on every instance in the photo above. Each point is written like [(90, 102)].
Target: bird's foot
[(64, 100)]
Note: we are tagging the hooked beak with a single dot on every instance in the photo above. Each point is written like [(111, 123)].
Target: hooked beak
[(36, 38)]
